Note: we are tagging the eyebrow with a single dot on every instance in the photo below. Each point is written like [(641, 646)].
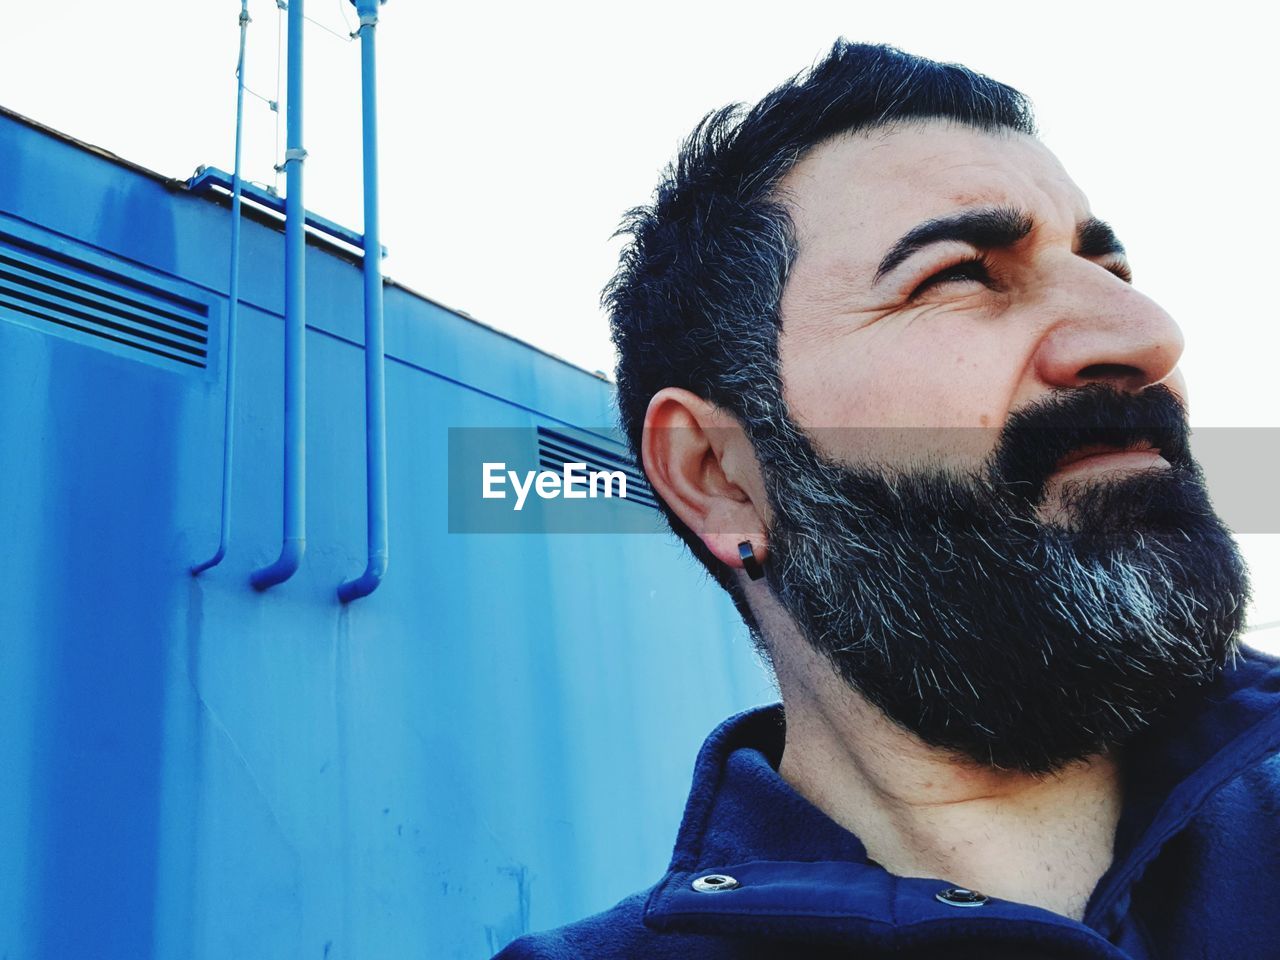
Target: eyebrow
[(992, 228), (1095, 238)]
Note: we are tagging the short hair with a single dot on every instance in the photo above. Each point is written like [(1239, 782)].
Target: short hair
[(695, 300)]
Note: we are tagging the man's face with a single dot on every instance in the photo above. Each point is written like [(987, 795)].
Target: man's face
[(877, 333), (956, 335)]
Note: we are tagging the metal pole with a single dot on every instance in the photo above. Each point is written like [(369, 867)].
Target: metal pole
[(295, 327), (233, 301), (374, 351)]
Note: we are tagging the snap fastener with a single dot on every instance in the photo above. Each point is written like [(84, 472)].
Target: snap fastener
[(715, 883), (961, 897)]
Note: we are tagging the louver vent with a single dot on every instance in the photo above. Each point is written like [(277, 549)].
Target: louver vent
[(72, 297), (555, 449)]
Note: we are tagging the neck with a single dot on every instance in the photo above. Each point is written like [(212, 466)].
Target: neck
[(925, 812)]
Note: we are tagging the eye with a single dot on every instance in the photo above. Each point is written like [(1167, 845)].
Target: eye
[(1120, 269), (974, 269)]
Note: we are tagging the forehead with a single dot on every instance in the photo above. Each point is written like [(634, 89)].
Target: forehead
[(861, 192)]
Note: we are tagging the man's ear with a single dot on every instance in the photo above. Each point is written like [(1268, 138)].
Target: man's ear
[(701, 462)]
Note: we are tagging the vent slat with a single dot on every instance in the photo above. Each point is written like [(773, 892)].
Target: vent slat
[(103, 334), (591, 453), (53, 309), (74, 295), (54, 292), (81, 273), (572, 456), (595, 447), (555, 449), (635, 494)]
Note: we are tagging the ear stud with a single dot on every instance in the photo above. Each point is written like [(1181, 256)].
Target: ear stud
[(749, 562)]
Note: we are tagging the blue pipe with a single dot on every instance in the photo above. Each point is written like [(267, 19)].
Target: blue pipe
[(233, 300), (208, 177), (295, 328), (375, 406)]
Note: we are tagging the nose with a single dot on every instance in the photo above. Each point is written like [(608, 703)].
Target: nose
[(1101, 330)]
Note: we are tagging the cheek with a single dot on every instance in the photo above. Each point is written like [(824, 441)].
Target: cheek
[(922, 391)]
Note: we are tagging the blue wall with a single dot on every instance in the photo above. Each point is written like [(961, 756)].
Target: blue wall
[(498, 740)]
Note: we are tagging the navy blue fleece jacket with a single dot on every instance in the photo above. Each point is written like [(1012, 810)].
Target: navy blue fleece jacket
[(1196, 872)]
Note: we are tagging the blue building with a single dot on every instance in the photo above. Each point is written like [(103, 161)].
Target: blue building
[(497, 740)]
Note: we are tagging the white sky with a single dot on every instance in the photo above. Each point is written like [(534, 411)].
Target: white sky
[(514, 135)]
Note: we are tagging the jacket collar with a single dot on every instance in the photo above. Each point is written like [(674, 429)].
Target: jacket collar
[(802, 874), (1173, 768)]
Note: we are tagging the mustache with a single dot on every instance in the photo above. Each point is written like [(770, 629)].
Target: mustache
[(1036, 439)]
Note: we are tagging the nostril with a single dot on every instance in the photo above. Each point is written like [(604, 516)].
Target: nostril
[(1116, 373)]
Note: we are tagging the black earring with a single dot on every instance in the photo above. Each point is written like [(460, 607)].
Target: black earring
[(749, 562)]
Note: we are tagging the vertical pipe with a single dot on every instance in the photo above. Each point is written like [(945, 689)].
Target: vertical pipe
[(233, 301), (295, 326), (374, 363)]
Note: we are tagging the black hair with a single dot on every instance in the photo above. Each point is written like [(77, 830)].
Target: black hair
[(695, 300)]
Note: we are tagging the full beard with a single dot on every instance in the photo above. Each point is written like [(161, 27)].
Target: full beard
[(948, 603)]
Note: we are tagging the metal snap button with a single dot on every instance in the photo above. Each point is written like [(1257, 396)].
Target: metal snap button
[(715, 883), (961, 897)]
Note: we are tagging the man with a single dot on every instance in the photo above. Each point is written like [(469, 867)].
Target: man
[(891, 380)]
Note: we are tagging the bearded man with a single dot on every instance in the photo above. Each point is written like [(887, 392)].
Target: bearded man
[(891, 380)]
